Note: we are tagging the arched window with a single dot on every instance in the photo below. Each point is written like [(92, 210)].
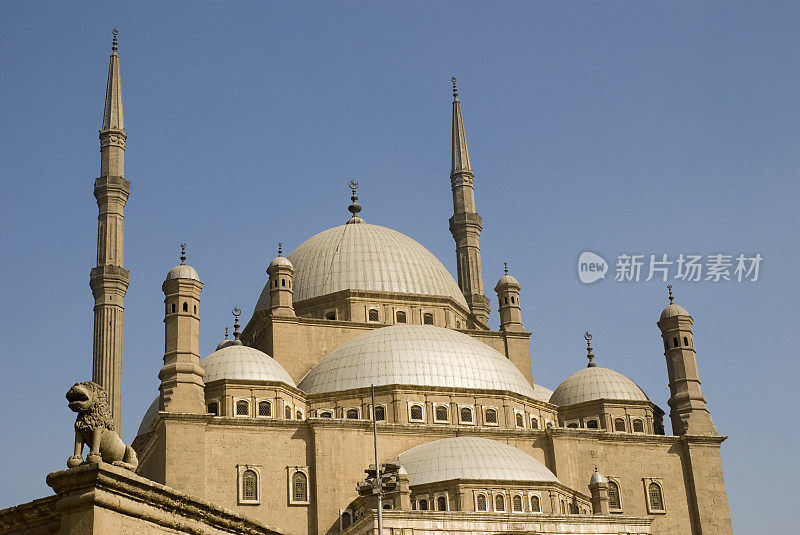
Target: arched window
[(520, 420), (505, 300), (656, 499), (401, 316), (638, 426), (287, 412), (613, 496), (299, 414), (516, 503), (264, 408), (173, 308), (213, 408), (619, 424), (563, 508), (380, 412), (490, 416), (422, 505), (416, 412), (185, 306), (441, 413), (352, 414), (441, 503), (373, 314), (466, 414), (330, 315), (299, 487), (480, 502), (592, 424), (326, 414), (249, 486), (283, 282), (549, 425), (499, 502), (347, 519), (536, 506), (573, 425), (512, 299), (195, 309), (685, 341), (427, 318), (242, 408), (534, 422), (675, 342)]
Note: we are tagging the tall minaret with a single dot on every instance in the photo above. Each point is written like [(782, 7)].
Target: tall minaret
[(688, 413), (109, 280), (466, 225)]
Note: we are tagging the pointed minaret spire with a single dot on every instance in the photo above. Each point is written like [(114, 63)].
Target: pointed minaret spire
[(109, 279), (466, 224)]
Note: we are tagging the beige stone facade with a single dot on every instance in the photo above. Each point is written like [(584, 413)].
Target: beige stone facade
[(367, 345)]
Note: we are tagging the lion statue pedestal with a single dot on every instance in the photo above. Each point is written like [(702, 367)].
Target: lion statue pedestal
[(94, 427)]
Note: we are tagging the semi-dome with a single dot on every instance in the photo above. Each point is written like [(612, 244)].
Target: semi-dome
[(147, 419), (366, 257), (237, 361), (471, 458), (594, 383), (421, 355)]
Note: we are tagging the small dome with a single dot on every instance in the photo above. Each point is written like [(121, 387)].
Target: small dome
[(597, 477), (183, 271), (542, 393), (421, 355), (224, 343), (471, 458), (280, 261), (594, 383), (506, 280), (147, 419), (673, 310), (366, 257), (236, 361)]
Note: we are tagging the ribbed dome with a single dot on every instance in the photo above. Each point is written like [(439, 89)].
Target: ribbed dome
[(595, 383), (236, 361), (673, 310), (366, 257), (280, 261), (421, 355), (471, 458), (183, 271)]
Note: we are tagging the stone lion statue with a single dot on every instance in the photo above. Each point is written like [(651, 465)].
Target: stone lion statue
[(94, 427)]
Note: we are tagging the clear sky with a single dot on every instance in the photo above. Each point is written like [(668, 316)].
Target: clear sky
[(614, 127)]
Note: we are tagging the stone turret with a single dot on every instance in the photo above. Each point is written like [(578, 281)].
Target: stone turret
[(109, 280), (598, 487), (508, 289), (280, 273), (182, 387), (466, 225), (689, 414)]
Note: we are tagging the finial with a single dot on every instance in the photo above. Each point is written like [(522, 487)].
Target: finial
[(236, 333), (354, 208), (505, 267), (588, 337), (114, 41), (280, 248), (671, 298), (226, 333), (455, 89), (183, 253)]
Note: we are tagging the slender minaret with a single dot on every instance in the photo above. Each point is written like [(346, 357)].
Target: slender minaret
[(109, 280), (466, 225), (688, 410)]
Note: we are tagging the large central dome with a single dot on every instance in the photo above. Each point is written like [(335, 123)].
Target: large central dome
[(366, 257)]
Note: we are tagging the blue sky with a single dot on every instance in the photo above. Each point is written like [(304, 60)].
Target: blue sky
[(616, 127)]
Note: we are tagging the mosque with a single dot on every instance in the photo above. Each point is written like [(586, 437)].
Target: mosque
[(369, 394)]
